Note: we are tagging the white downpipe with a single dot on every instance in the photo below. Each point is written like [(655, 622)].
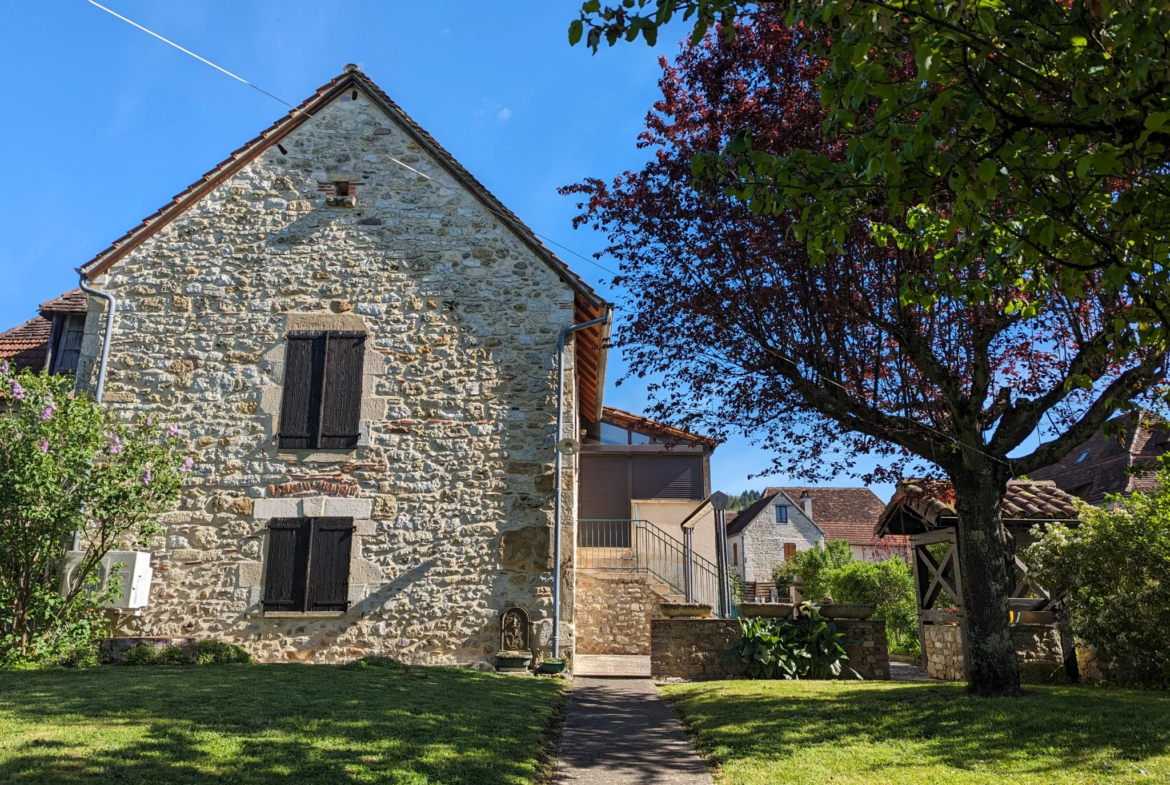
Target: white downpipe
[(559, 461), (111, 306)]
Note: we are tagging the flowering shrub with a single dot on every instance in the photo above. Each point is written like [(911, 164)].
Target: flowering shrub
[(1115, 569), (67, 465)]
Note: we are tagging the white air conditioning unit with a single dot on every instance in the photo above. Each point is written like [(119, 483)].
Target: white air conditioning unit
[(133, 575)]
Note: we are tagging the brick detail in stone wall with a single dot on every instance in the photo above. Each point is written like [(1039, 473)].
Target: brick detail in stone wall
[(1037, 649), (614, 610), (692, 649)]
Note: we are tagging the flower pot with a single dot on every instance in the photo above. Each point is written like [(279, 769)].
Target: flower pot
[(848, 611), (685, 610), (770, 610), (513, 661), (551, 666)]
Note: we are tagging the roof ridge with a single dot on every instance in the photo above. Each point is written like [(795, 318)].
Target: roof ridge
[(299, 115)]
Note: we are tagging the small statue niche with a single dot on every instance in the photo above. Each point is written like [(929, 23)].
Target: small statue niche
[(515, 653)]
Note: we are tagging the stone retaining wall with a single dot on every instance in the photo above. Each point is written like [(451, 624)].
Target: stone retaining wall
[(692, 649), (112, 650), (1037, 647), (613, 612)]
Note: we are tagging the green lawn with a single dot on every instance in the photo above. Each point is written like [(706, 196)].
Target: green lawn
[(782, 733), (272, 723)]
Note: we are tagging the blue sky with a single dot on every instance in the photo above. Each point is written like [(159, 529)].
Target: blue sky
[(106, 124)]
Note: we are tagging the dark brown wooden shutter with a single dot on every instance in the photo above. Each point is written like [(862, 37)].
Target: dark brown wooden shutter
[(300, 406), (668, 477), (605, 487), (789, 550), (329, 566), (288, 563), (342, 406)]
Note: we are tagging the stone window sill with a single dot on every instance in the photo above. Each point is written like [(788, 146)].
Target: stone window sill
[(303, 614)]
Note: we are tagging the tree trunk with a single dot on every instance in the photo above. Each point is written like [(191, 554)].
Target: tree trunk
[(989, 652)]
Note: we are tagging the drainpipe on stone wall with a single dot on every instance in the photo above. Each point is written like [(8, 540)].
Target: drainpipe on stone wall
[(111, 305), (561, 338)]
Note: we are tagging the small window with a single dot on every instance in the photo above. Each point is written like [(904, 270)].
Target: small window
[(789, 551), (308, 564), (322, 400), (611, 434), (1083, 456), (639, 438), (781, 513), (68, 331), (734, 554)]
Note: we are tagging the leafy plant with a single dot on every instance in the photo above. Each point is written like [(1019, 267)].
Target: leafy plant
[(174, 655), (888, 585), (808, 647), (140, 655), (206, 652), (813, 567), (67, 465), (1115, 570)]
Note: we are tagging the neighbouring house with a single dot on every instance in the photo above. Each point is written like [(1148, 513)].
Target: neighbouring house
[(642, 484), (789, 519), (1112, 464), (51, 340), (359, 343)]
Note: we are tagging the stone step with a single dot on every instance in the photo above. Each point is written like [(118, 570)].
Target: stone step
[(612, 665)]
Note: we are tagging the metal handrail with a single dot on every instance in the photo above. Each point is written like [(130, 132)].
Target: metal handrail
[(640, 546)]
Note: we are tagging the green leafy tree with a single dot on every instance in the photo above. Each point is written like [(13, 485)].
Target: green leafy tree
[(1115, 570), (1028, 138), (814, 568), (889, 585), (67, 465)]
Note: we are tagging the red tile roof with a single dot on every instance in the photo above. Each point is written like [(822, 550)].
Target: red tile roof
[(920, 505), (27, 345), (849, 514), (1102, 464), (841, 513), (73, 301)]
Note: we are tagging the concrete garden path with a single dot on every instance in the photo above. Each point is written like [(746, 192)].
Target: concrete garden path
[(621, 732)]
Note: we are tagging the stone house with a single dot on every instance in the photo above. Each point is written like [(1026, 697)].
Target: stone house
[(768, 532), (359, 343), (787, 519)]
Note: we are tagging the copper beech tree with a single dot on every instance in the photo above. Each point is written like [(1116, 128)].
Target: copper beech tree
[(829, 361)]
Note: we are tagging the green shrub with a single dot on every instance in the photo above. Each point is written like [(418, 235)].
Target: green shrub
[(812, 567), (1115, 570), (808, 647), (140, 655), (175, 655), (374, 661), (219, 653), (67, 465), (889, 585), (85, 656)]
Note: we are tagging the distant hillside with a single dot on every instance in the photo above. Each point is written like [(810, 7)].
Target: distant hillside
[(743, 500)]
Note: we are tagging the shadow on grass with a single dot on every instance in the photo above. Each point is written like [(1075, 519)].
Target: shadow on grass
[(1049, 729), (271, 723)]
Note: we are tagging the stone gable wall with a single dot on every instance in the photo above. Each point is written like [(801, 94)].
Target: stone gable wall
[(763, 540), (451, 486)]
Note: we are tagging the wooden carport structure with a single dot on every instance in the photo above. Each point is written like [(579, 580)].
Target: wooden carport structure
[(924, 510)]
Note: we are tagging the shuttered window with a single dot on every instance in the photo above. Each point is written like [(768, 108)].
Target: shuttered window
[(322, 400), (68, 331), (789, 550), (308, 564), (668, 477)]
